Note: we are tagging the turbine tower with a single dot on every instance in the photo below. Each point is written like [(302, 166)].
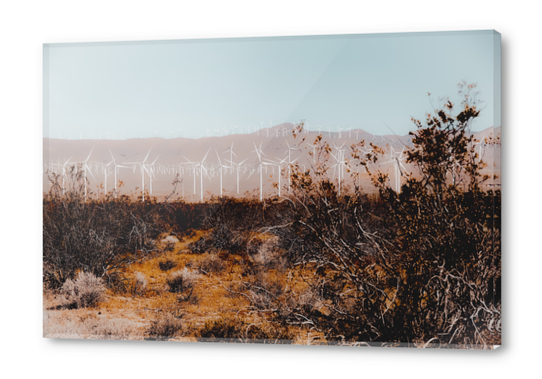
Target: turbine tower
[(221, 166), (116, 169), (202, 169), (142, 168), (341, 162), (290, 163), (86, 169), (238, 166), (397, 159), (260, 153), (150, 172), (279, 164)]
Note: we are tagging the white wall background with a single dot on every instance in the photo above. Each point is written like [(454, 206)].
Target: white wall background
[(25, 25)]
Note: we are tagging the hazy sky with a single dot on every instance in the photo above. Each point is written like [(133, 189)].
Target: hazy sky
[(197, 87)]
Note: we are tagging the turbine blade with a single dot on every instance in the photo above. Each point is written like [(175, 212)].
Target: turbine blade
[(89, 155), (144, 160), (90, 171), (205, 157)]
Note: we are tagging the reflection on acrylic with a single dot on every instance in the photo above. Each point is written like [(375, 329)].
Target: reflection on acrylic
[(336, 190)]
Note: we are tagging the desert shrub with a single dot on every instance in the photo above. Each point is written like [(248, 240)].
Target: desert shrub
[(167, 265), (85, 291), (182, 281), (96, 236), (164, 327), (169, 246), (221, 239), (119, 329), (191, 297), (235, 330), (139, 286), (231, 224), (210, 263), (267, 254), (90, 325), (422, 264), (223, 328)]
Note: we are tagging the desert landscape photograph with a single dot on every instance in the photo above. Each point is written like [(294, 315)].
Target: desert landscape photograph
[(321, 190)]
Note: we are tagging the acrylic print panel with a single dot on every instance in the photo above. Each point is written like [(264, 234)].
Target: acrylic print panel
[(339, 190)]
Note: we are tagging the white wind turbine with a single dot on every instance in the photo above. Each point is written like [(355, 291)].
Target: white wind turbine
[(231, 154), (341, 162), (150, 172), (279, 164), (106, 174), (260, 153), (290, 163), (221, 166), (202, 169), (142, 168), (64, 175), (116, 169), (238, 166), (397, 159), (86, 169), (313, 152)]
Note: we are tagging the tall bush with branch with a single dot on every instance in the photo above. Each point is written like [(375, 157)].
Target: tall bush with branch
[(419, 266), (95, 236)]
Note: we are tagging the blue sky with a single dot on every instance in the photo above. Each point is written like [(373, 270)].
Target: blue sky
[(194, 88)]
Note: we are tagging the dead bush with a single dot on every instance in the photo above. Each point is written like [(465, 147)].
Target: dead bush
[(211, 264), (167, 265), (182, 281), (85, 291), (235, 330), (139, 284), (164, 327), (169, 246), (92, 235)]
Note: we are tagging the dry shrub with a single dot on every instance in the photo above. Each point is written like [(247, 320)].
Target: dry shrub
[(191, 298), (169, 246), (98, 236), (167, 265), (235, 330), (90, 325), (182, 281), (164, 327), (211, 264), (85, 291), (266, 254), (139, 284)]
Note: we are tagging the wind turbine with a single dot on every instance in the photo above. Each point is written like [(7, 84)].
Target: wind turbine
[(116, 168), (341, 162), (142, 168), (279, 164), (231, 154), (238, 166), (202, 169), (397, 159), (87, 168), (106, 172), (290, 164), (221, 166), (313, 147), (260, 153), (64, 174), (150, 172)]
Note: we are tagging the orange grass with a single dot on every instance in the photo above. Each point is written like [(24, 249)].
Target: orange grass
[(130, 314)]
